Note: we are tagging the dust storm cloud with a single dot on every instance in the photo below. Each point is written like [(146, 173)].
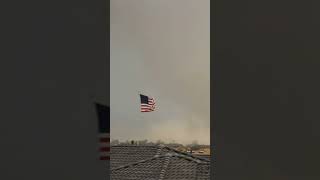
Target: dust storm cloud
[(160, 48)]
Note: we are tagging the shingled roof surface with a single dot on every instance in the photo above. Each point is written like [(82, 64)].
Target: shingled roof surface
[(156, 163), (203, 156)]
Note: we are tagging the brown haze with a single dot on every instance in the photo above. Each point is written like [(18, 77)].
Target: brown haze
[(160, 48)]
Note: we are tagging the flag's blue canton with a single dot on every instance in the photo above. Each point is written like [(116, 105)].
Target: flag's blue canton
[(104, 118)]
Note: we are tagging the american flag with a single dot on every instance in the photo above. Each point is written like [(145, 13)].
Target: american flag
[(147, 103), (104, 131)]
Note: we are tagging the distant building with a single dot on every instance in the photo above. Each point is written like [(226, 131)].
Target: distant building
[(156, 162)]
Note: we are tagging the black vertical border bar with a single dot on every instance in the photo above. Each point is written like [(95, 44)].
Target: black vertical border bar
[(212, 90), (108, 48), (108, 66)]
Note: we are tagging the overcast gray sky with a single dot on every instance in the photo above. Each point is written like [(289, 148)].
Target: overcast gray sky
[(160, 48)]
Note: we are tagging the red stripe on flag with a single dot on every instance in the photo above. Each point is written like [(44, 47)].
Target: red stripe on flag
[(104, 149), (104, 139)]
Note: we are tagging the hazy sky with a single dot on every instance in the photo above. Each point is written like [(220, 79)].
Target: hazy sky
[(160, 48)]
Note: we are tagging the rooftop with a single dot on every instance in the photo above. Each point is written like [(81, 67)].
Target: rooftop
[(156, 162)]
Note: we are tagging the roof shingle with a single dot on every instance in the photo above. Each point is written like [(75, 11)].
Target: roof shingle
[(156, 162)]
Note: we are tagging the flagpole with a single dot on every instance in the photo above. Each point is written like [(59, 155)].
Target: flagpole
[(140, 115), (139, 110)]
